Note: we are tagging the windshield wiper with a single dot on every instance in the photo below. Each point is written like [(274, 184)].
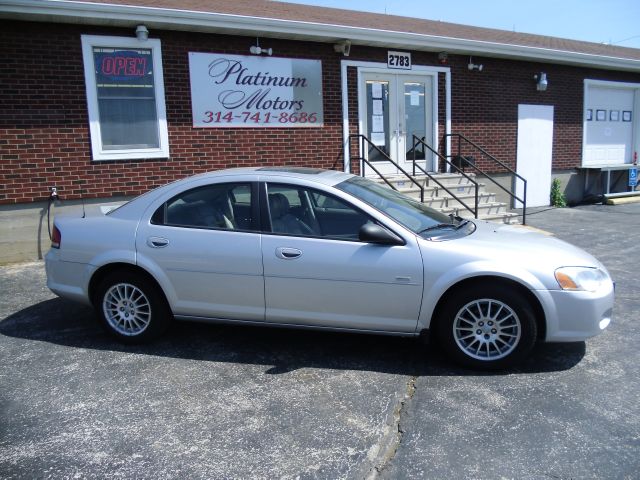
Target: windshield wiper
[(462, 224), (438, 226), (457, 218)]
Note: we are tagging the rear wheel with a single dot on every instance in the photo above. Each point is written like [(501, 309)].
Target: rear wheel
[(487, 327), (131, 308)]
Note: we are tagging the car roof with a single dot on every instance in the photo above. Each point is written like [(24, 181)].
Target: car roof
[(326, 177), (329, 178)]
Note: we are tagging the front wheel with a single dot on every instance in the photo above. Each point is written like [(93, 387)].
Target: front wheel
[(131, 308), (487, 327)]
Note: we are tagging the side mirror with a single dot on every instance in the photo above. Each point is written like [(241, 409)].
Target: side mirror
[(374, 233)]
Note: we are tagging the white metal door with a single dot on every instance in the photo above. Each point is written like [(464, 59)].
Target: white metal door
[(535, 148)]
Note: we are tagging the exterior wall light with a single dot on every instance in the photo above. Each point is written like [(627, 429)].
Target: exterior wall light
[(258, 50), (474, 66), (541, 82), (142, 33)]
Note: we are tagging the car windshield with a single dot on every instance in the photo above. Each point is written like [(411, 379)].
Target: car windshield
[(411, 213)]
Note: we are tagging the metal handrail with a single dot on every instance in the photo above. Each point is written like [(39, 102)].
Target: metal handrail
[(418, 140), (387, 158), (522, 200)]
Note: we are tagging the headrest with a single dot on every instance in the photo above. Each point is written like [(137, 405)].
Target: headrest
[(278, 204)]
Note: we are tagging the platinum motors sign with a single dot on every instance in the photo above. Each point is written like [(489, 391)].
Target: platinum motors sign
[(247, 91)]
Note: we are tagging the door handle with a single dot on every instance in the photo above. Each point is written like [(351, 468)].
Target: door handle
[(286, 253), (157, 242)]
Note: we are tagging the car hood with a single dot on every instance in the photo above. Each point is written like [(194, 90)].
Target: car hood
[(525, 245)]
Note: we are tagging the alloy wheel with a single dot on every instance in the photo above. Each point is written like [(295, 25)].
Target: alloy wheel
[(126, 309), (487, 329)]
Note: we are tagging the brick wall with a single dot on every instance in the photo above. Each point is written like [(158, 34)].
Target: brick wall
[(485, 104), (44, 134)]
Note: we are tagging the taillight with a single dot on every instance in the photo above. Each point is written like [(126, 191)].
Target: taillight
[(56, 238)]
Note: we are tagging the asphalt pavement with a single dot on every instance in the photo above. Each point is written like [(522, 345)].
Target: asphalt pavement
[(231, 402)]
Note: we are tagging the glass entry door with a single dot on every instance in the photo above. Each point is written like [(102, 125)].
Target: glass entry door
[(395, 107)]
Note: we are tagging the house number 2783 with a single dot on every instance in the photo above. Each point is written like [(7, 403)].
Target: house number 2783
[(399, 60)]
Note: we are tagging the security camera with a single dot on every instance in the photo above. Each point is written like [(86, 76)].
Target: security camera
[(343, 47)]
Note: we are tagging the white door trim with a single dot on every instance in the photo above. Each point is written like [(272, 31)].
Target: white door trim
[(376, 67)]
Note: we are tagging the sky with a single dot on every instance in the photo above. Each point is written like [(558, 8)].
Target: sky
[(600, 21)]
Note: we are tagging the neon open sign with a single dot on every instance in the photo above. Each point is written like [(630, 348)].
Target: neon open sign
[(121, 66)]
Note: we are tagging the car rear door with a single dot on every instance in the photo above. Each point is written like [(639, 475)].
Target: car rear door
[(203, 246), (326, 276)]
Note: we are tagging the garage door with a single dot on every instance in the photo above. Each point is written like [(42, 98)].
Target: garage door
[(609, 125)]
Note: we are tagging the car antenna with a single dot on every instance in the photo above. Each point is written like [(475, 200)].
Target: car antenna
[(84, 214)]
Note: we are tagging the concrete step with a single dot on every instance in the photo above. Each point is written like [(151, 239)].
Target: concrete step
[(438, 198), (443, 201), (492, 208), (446, 179), (499, 215), (434, 191), (505, 217)]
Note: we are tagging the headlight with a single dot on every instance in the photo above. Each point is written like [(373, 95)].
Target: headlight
[(581, 278)]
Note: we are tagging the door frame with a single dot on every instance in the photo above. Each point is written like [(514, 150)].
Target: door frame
[(398, 146), (377, 67)]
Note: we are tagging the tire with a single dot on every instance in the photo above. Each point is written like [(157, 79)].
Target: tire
[(487, 327), (131, 308)]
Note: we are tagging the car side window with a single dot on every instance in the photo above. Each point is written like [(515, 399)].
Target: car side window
[(295, 210), (226, 206)]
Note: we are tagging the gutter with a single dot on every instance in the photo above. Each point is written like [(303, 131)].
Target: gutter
[(69, 11)]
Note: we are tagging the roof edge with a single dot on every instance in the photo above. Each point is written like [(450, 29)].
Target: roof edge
[(72, 11)]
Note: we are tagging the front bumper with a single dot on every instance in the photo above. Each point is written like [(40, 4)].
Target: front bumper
[(576, 316)]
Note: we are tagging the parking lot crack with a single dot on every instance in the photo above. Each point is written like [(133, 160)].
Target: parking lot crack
[(384, 452)]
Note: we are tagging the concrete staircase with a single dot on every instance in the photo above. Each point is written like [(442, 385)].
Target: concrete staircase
[(437, 198)]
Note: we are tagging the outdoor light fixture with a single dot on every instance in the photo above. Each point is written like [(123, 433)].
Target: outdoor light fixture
[(443, 58), (258, 50), (142, 33), (541, 81), (343, 47), (474, 66)]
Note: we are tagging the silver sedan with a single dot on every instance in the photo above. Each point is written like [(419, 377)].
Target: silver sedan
[(313, 248)]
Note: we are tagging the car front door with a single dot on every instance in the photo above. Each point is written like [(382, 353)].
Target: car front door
[(203, 245), (317, 272)]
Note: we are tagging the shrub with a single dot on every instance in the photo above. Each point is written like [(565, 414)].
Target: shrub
[(557, 196)]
